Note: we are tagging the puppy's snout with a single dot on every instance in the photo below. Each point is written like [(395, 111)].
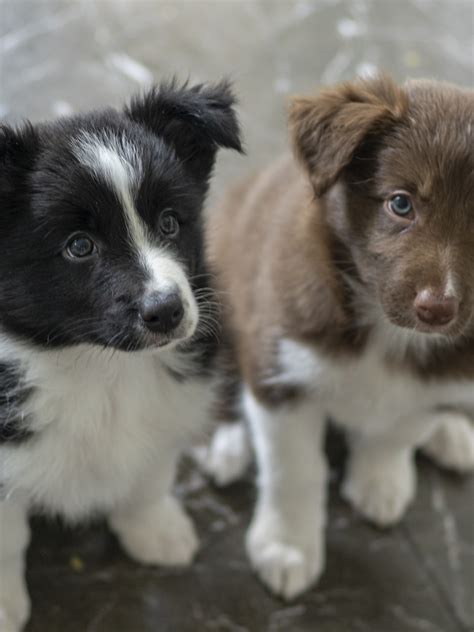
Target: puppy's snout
[(434, 309), (162, 312)]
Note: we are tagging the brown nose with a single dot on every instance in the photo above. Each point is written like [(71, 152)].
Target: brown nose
[(433, 309)]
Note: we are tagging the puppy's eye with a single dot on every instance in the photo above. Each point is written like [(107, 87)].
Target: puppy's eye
[(401, 205), (169, 224), (79, 247)]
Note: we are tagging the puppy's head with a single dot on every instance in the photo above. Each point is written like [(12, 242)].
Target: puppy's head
[(100, 220), (395, 167)]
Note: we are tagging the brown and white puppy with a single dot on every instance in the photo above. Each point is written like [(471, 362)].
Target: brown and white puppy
[(349, 281)]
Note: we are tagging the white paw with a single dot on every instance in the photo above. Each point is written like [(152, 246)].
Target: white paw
[(14, 599), (380, 488), (228, 455), (7, 624), (286, 561), (452, 445), (14, 617), (161, 535)]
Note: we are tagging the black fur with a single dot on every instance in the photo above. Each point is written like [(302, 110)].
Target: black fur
[(195, 121), (13, 425)]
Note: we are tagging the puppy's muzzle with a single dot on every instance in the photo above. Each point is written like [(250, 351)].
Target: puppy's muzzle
[(161, 312)]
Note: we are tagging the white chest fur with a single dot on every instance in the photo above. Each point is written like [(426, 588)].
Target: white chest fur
[(102, 421), (363, 391)]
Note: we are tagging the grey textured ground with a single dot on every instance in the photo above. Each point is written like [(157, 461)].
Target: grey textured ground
[(58, 57)]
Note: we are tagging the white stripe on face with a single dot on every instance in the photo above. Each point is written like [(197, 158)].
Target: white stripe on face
[(450, 289), (118, 164), (116, 161)]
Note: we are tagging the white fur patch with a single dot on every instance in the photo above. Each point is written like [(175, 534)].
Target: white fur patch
[(106, 421), (362, 391), (228, 456), (14, 537), (452, 445), (162, 534), (450, 289), (380, 485), (296, 364)]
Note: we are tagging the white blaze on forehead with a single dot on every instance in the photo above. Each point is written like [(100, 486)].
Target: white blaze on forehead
[(450, 283), (116, 161), (450, 289)]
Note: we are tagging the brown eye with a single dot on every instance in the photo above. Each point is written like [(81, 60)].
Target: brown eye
[(79, 247), (169, 224), (401, 205)]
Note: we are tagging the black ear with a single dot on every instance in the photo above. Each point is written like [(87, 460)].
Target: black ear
[(196, 120), (18, 151), (17, 146)]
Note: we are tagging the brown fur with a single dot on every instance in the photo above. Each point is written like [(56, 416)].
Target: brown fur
[(289, 244)]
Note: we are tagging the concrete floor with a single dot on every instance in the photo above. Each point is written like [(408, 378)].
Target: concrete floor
[(58, 57)]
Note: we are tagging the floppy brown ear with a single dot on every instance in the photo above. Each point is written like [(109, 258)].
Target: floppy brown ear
[(328, 128)]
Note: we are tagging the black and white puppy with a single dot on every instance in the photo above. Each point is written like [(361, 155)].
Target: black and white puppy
[(106, 323)]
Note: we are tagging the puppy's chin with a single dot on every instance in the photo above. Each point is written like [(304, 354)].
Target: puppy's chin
[(154, 343), (411, 323)]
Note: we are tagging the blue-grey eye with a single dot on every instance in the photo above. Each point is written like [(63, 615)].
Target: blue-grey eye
[(80, 246), (400, 204), (169, 224)]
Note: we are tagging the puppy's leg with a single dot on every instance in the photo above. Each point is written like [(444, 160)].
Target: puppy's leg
[(452, 445), (285, 541), (152, 526), (380, 479), (14, 537), (229, 454)]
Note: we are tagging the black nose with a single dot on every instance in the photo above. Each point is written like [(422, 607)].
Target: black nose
[(162, 312)]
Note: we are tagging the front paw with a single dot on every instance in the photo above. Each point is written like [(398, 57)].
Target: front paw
[(14, 615), (380, 487), (287, 560), (161, 535), (14, 601), (452, 445), (7, 624), (228, 455)]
